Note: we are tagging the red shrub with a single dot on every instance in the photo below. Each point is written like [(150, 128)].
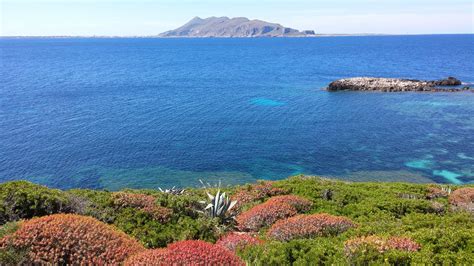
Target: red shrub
[(143, 202), (264, 214), (234, 241), (299, 203), (68, 238), (189, 252), (243, 197), (402, 243), (256, 192), (124, 199), (362, 244), (435, 192), (463, 198), (307, 226), (266, 189)]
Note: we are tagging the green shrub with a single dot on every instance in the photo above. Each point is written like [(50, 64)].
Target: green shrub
[(323, 251), (23, 200), (95, 203), (155, 234)]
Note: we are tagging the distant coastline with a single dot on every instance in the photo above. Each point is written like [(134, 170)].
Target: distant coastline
[(158, 37)]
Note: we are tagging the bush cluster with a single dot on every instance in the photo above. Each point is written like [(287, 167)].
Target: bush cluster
[(264, 214), (308, 226), (234, 241), (463, 198), (189, 252), (255, 192), (150, 257), (443, 236), (403, 243), (143, 202), (70, 239), (274, 209), (24, 200), (299, 203), (435, 192), (267, 189), (360, 245)]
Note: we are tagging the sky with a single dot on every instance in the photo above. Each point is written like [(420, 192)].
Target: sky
[(150, 17)]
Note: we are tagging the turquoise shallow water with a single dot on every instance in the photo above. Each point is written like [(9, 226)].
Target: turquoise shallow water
[(114, 113)]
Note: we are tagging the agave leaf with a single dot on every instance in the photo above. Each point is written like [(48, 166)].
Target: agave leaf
[(210, 196), (217, 200), (220, 211), (231, 205)]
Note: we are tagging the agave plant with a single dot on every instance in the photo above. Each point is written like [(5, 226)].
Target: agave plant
[(172, 191), (447, 190), (218, 205)]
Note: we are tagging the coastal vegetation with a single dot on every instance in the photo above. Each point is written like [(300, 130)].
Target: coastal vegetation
[(297, 221)]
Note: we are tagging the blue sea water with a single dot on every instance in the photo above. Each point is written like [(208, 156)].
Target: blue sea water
[(143, 113)]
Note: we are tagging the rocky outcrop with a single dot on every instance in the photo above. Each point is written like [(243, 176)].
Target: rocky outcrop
[(224, 27), (395, 85), (447, 82)]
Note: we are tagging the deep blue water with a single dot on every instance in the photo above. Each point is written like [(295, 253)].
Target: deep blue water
[(113, 113)]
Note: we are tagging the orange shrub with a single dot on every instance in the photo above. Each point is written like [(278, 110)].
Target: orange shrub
[(233, 241), (307, 226), (263, 215), (435, 192), (299, 203), (256, 192), (69, 238), (463, 198), (402, 243), (143, 202), (362, 244), (124, 199), (243, 197), (189, 252), (266, 189), (150, 257)]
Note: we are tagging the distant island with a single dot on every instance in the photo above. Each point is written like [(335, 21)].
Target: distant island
[(224, 27)]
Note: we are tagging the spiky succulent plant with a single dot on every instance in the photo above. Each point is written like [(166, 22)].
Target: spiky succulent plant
[(218, 205), (172, 191)]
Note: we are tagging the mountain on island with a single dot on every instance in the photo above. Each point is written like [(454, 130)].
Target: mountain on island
[(225, 27)]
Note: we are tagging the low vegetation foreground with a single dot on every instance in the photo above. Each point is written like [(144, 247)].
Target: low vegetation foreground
[(298, 221)]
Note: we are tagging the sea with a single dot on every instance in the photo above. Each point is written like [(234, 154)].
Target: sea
[(114, 113)]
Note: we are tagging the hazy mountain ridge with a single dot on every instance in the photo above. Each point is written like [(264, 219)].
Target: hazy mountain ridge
[(233, 27)]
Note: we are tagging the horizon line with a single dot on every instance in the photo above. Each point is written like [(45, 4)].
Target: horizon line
[(184, 37)]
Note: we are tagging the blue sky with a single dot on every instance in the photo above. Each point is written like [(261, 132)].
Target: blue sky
[(147, 17)]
